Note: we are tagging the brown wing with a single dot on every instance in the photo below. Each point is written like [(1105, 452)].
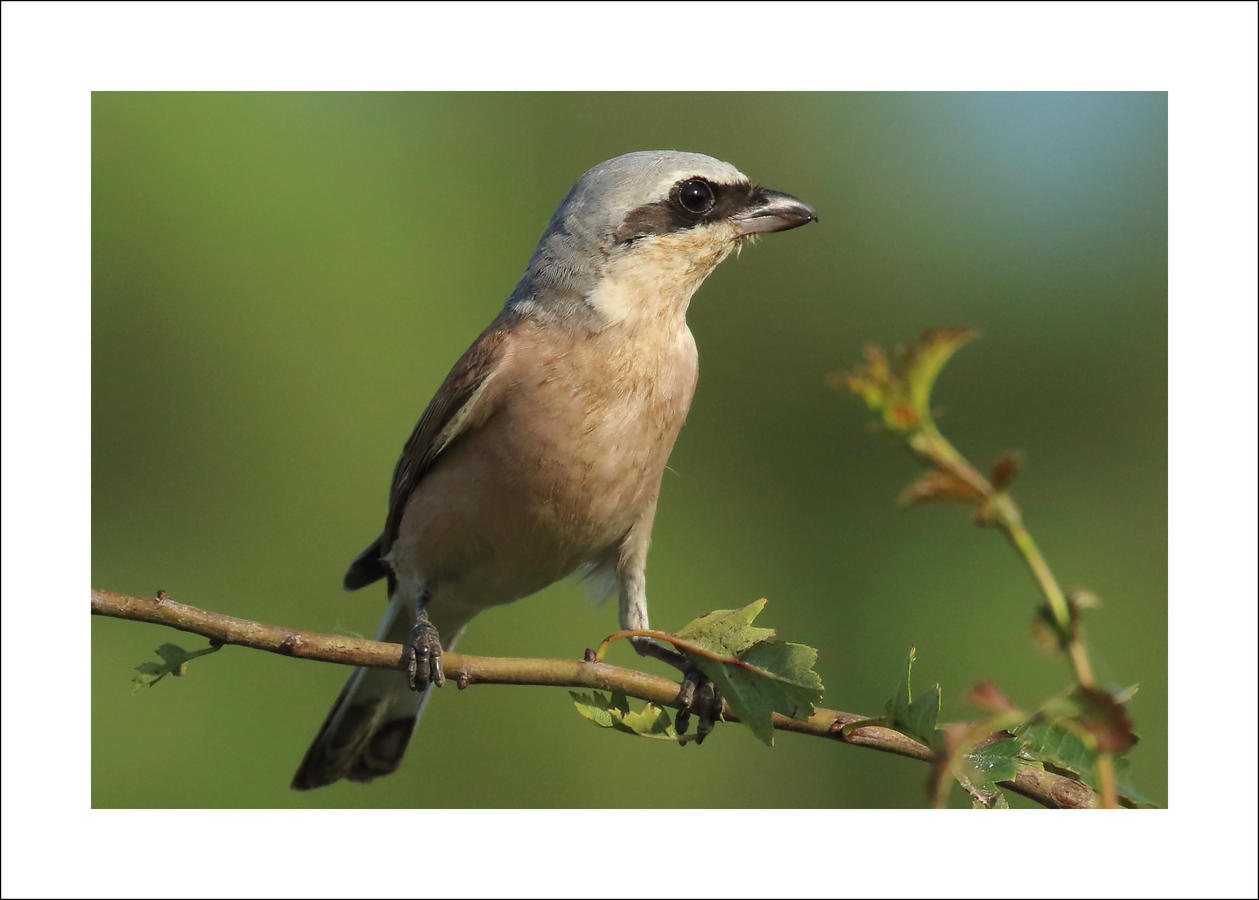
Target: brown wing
[(457, 406)]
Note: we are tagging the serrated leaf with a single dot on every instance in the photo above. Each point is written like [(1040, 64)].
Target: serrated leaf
[(770, 677), (614, 712), (790, 667), (755, 675), (176, 658), (594, 706), (915, 717), (650, 721), (727, 632)]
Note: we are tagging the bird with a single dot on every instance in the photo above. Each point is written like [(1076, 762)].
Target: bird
[(542, 453)]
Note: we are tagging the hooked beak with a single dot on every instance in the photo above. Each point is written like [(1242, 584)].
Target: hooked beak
[(772, 211)]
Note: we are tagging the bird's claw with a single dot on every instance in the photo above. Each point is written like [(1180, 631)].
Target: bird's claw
[(698, 695), (422, 655)]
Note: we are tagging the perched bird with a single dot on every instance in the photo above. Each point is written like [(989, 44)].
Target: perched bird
[(542, 453)]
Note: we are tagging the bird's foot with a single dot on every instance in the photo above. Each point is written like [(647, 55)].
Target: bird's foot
[(698, 694), (422, 655)]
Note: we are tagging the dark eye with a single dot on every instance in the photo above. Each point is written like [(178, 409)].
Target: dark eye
[(696, 196)]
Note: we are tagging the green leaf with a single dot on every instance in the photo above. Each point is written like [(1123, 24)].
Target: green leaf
[(924, 359), (985, 767), (980, 770), (1059, 745), (902, 396), (757, 676), (175, 661), (771, 677), (594, 706), (1123, 784), (916, 718), (788, 669), (614, 712), (998, 761), (727, 632), (650, 721)]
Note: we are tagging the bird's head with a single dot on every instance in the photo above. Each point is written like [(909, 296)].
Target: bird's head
[(648, 228)]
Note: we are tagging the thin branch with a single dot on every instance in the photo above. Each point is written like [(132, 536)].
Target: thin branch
[(903, 399), (1046, 788), (1000, 509)]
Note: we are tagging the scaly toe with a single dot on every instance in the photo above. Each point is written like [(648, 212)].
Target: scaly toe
[(422, 658), (697, 695)]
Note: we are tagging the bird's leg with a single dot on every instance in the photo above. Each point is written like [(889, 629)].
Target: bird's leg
[(422, 653), (698, 694), (649, 647)]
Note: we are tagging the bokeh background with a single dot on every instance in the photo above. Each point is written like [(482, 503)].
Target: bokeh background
[(280, 282)]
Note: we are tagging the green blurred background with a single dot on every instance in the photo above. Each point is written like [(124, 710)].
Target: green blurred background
[(280, 281)]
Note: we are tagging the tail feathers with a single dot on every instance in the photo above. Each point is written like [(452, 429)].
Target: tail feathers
[(366, 731), (366, 568), (371, 722)]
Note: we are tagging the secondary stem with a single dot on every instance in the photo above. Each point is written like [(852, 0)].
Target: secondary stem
[(1005, 513)]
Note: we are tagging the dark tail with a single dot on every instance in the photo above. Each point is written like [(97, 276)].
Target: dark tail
[(370, 724), (366, 568)]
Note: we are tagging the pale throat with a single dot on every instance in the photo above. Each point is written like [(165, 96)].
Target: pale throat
[(650, 285)]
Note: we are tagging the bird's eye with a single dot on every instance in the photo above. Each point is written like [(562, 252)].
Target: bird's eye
[(696, 196)]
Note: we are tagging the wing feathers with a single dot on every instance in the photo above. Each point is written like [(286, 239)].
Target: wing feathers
[(461, 404)]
